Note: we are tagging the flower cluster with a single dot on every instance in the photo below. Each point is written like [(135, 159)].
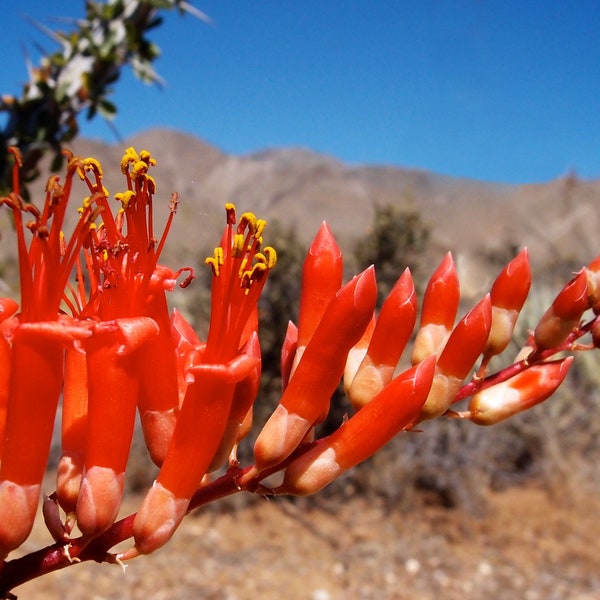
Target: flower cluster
[(93, 330)]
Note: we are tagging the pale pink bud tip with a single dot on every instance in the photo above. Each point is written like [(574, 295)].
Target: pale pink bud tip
[(99, 500), (519, 393), (156, 521), (18, 505), (158, 427), (564, 314), (279, 437)]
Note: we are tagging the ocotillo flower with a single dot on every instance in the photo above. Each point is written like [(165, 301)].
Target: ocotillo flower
[(321, 279), (508, 294), (564, 313), (305, 401), (128, 282), (111, 354), (440, 305), (37, 350), (517, 394), (393, 328), (7, 308), (593, 275), (465, 344), (239, 270), (388, 413)]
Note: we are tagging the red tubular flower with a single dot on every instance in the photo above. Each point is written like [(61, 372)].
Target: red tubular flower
[(306, 398), (393, 328), (186, 344), (288, 351), (508, 294), (321, 279), (564, 314), (158, 400), (239, 421), (122, 255), (440, 305), (240, 270), (7, 308), (74, 431), (519, 393), (37, 351), (465, 344), (112, 399), (389, 412)]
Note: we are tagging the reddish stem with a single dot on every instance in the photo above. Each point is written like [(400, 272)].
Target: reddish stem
[(60, 555)]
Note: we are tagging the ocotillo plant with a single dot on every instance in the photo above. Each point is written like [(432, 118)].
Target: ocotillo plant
[(92, 329)]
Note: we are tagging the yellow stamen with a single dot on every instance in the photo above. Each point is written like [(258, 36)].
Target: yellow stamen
[(230, 210), (147, 158), (130, 156), (215, 261), (125, 198), (248, 220), (237, 249)]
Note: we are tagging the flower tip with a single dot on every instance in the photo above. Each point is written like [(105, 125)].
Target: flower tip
[(572, 300), (365, 291), (324, 242)]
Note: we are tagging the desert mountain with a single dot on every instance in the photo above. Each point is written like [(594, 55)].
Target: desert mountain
[(479, 222)]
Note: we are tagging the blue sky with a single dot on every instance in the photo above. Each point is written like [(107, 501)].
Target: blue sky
[(487, 89)]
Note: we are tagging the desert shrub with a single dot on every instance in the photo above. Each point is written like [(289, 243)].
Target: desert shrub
[(396, 240)]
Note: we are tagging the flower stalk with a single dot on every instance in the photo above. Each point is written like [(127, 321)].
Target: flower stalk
[(93, 325)]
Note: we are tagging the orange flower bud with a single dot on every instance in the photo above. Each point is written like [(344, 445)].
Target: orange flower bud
[(440, 305), (199, 431), (74, 429), (321, 279), (388, 413), (239, 420), (464, 345), (564, 314), (393, 328), (593, 275), (288, 351), (508, 294), (519, 393), (306, 398)]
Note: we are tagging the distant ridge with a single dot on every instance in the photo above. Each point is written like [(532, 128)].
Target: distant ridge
[(480, 222)]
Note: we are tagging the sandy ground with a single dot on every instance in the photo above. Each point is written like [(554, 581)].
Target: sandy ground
[(526, 547)]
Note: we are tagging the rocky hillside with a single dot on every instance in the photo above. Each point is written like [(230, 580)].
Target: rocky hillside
[(479, 222)]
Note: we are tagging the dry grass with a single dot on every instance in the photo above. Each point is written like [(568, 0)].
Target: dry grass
[(526, 547)]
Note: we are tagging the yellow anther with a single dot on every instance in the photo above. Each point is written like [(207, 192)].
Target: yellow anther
[(230, 210), (130, 156), (237, 249), (247, 220), (151, 184), (271, 256), (215, 261), (91, 164), (125, 198), (147, 158), (139, 169), (52, 181), (260, 227)]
